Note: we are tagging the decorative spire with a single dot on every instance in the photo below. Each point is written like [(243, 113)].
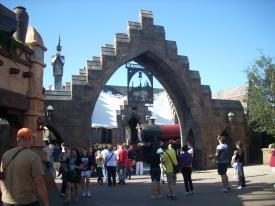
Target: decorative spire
[(59, 47)]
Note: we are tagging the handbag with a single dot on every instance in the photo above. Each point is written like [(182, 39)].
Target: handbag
[(176, 168), (2, 173)]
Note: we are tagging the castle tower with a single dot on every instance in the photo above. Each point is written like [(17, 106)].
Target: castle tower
[(58, 63)]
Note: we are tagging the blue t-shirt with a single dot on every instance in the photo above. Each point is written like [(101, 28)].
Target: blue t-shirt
[(223, 156)]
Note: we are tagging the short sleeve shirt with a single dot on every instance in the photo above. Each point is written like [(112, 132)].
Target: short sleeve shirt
[(87, 162), (18, 184), (223, 156), (167, 162), (111, 159)]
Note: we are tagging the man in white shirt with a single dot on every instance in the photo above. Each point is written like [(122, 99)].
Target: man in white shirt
[(104, 170), (110, 162)]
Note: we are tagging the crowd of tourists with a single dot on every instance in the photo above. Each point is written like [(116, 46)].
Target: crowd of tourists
[(115, 164), (108, 163)]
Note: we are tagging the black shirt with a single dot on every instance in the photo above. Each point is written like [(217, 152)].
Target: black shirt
[(240, 156), (154, 160)]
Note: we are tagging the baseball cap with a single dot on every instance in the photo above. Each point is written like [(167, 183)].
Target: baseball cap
[(24, 133)]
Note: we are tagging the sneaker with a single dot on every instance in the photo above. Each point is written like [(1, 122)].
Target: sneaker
[(187, 193), (191, 192), (62, 195), (153, 197), (159, 197), (84, 194), (225, 190), (240, 187), (169, 196), (174, 197), (89, 194)]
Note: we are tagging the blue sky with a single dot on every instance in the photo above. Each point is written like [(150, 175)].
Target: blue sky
[(220, 38)]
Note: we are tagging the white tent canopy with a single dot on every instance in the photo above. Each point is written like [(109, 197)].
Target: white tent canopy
[(104, 114)]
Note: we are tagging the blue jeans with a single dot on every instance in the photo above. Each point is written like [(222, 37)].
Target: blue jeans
[(121, 172), (241, 178)]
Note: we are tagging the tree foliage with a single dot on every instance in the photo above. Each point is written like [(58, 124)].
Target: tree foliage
[(261, 95)]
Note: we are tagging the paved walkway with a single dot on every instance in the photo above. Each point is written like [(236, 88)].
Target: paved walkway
[(207, 185)]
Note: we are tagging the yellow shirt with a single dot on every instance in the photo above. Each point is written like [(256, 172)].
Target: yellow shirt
[(17, 187), (167, 162)]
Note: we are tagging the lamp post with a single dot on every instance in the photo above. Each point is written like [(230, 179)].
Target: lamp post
[(230, 117), (123, 118), (49, 112)]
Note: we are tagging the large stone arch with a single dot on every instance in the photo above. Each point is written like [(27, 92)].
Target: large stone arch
[(144, 43)]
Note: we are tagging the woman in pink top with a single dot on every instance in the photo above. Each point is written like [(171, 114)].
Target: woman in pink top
[(272, 157)]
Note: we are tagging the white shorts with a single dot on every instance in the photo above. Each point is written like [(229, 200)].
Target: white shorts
[(85, 173)]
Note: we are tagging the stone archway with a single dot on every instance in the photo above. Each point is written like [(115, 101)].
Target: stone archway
[(145, 43)]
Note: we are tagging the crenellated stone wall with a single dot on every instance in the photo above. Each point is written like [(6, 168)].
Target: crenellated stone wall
[(145, 43)]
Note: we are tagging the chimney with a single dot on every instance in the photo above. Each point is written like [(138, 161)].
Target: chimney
[(22, 19)]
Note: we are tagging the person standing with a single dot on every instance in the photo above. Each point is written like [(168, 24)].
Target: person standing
[(56, 159), (129, 169), (170, 158), (110, 162), (222, 159), (104, 169), (99, 167), (24, 169), (139, 162), (239, 159), (64, 169), (86, 172), (160, 152), (234, 164), (74, 167), (154, 161), (185, 161), (272, 158), (49, 151), (122, 157)]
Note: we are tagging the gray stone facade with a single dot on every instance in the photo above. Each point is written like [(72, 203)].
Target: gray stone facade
[(201, 118)]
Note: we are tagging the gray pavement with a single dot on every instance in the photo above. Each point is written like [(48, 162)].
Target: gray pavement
[(207, 186)]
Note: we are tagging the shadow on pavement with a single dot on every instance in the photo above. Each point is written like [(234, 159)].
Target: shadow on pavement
[(138, 194)]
